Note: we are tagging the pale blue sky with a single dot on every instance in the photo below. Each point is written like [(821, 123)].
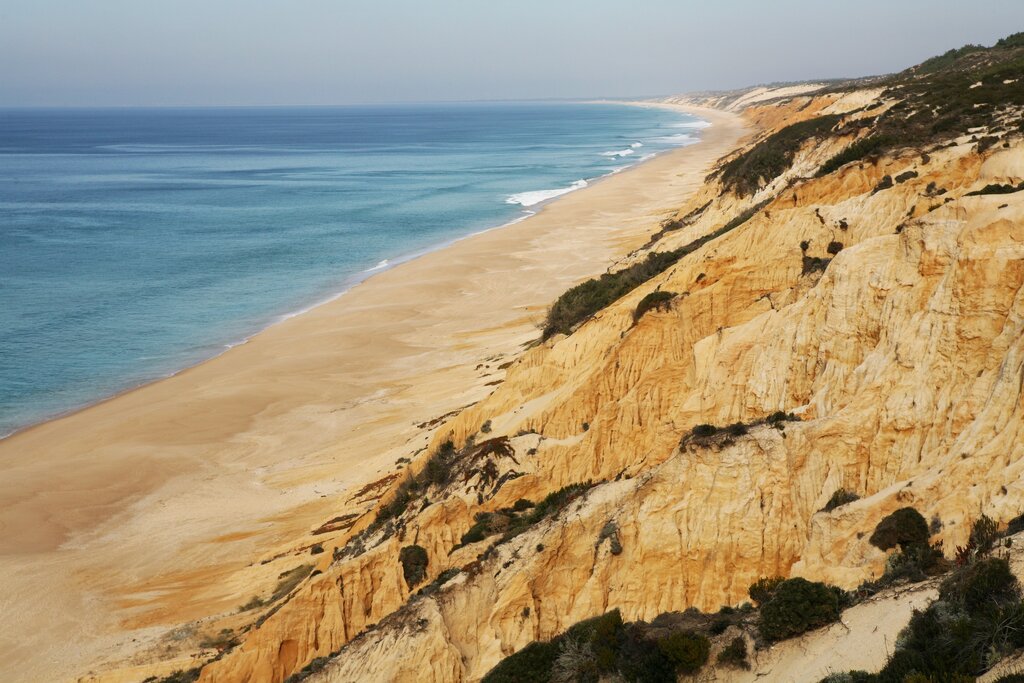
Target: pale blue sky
[(197, 52)]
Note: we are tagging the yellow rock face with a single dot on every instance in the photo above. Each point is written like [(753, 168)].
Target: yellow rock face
[(903, 358)]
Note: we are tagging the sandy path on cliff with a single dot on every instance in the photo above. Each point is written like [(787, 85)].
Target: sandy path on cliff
[(127, 518)]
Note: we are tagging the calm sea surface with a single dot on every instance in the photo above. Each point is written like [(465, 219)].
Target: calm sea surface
[(136, 242)]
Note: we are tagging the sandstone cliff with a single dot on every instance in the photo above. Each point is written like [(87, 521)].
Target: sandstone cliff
[(880, 304)]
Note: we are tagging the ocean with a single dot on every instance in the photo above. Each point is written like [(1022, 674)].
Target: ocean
[(137, 242)]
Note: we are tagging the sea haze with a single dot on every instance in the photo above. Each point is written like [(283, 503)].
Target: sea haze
[(136, 242)]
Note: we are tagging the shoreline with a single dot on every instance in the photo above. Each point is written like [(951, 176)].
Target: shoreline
[(360, 277), (230, 459)]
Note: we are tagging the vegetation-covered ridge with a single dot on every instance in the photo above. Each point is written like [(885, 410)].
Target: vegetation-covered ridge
[(977, 620)]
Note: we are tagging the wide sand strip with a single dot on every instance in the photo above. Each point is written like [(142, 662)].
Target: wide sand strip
[(131, 516)]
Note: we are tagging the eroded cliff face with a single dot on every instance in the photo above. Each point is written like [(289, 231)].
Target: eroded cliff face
[(878, 304)]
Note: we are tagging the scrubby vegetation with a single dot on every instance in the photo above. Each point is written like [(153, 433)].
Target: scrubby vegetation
[(657, 300), (796, 606), (773, 156), (605, 648), (179, 676), (708, 434), (996, 189), (977, 619), (587, 298), (510, 522), (734, 654), (855, 152), (687, 650), (904, 527), (414, 564), (436, 471), (839, 498)]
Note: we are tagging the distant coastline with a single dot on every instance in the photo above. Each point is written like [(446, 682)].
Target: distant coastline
[(528, 201)]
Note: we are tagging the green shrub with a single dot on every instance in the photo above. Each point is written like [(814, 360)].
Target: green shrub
[(762, 590), (884, 184), (532, 664), (856, 152), (414, 564), (658, 300), (641, 660), (522, 504), (288, 580), (977, 619), (814, 264), (703, 431), (984, 534), (1015, 525), (797, 606), (734, 654), (839, 498), (182, 676), (737, 429), (988, 580), (587, 298), (903, 527), (996, 189), (688, 651), (606, 631), (771, 157)]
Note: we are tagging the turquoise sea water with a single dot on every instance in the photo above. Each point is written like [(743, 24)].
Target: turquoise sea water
[(136, 242)]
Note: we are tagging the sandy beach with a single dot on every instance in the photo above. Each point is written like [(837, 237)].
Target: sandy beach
[(138, 514)]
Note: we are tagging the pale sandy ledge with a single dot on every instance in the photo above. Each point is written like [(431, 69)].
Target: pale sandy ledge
[(128, 518)]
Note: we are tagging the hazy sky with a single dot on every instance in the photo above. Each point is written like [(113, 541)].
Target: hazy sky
[(184, 52)]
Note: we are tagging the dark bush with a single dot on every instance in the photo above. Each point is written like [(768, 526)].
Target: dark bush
[(688, 651), (797, 606), (903, 527), (641, 660), (659, 300), (1015, 525), (834, 247), (414, 564), (839, 498), (183, 676), (856, 152), (704, 431), (884, 184), (996, 189), (532, 664), (814, 264), (288, 580), (977, 619), (905, 176), (771, 157), (522, 504), (987, 581), (762, 590), (984, 534), (736, 429), (734, 654), (606, 631), (587, 298)]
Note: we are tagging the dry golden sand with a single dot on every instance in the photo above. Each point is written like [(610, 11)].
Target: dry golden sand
[(132, 516)]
